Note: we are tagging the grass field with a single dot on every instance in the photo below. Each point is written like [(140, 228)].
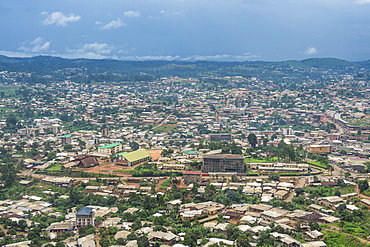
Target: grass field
[(252, 160), (8, 90), (165, 128), (56, 167), (318, 164)]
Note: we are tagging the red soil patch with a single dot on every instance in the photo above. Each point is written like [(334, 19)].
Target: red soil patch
[(156, 154)]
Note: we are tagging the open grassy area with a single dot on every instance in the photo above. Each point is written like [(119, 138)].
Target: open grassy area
[(340, 239), (8, 90), (317, 164), (165, 129), (363, 122), (56, 167), (128, 170), (260, 160)]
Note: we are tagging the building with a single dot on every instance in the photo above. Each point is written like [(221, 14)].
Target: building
[(190, 177), (278, 167), (320, 148), (220, 137), (88, 162), (58, 181), (223, 163), (133, 158), (105, 132), (111, 148), (66, 139), (84, 217), (59, 227)]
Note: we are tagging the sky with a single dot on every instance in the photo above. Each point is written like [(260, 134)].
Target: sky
[(187, 30)]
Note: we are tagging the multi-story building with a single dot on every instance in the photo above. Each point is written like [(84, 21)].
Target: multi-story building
[(66, 139), (219, 137), (111, 148), (223, 163), (84, 217)]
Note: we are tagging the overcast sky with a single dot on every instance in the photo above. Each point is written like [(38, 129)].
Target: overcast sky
[(217, 30)]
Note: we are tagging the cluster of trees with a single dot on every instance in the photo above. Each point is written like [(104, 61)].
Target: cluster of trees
[(150, 170), (226, 147)]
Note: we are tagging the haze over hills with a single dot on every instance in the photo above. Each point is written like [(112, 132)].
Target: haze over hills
[(57, 68)]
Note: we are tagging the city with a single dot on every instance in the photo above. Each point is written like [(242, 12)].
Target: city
[(269, 160)]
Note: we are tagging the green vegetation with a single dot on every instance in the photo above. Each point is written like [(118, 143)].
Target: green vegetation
[(260, 160), (318, 164), (362, 122), (165, 184), (56, 167), (339, 239), (150, 170), (165, 129)]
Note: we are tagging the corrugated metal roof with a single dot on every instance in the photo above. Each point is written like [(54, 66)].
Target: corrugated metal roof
[(136, 155)]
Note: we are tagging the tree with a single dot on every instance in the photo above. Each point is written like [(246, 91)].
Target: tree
[(68, 147), (134, 146), (9, 175), (252, 139), (142, 241), (363, 185), (274, 177), (299, 191), (11, 121), (243, 241), (104, 242), (60, 244), (347, 174)]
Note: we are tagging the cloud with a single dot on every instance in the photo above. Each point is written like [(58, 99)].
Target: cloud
[(38, 45), (92, 51), (114, 24), (362, 1), (15, 54), (59, 18), (101, 48), (221, 57), (132, 13), (310, 50), (168, 13)]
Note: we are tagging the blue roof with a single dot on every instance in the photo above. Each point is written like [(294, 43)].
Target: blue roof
[(85, 211)]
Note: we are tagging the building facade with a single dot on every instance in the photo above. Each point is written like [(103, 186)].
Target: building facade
[(84, 217), (223, 163)]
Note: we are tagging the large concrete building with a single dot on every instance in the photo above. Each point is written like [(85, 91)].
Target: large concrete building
[(223, 163), (84, 217), (220, 137)]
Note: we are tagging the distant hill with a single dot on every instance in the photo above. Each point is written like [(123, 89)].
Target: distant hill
[(46, 69), (320, 63)]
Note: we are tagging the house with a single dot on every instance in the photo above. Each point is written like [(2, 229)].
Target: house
[(25, 183), (313, 244), (331, 200), (164, 237), (58, 181), (314, 235), (271, 216), (121, 234), (172, 204), (285, 239), (87, 241), (192, 176), (329, 219), (85, 216), (59, 227), (88, 162)]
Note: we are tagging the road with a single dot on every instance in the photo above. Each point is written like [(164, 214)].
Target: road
[(300, 184)]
